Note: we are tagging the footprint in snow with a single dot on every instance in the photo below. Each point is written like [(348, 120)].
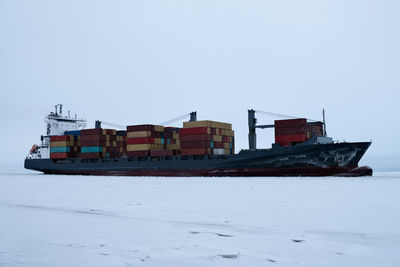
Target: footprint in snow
[(229, 256), (218, 234)]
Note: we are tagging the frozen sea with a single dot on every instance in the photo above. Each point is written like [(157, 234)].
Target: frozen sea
[(49, 220)]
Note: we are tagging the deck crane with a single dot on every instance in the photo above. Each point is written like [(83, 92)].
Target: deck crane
[(252, 121)]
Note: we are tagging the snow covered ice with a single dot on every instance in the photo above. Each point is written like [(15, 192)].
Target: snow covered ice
[(49, 220)]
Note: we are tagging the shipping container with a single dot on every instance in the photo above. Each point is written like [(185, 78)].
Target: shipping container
[(55, 138), (290, 130), (291, 138), (140, 147), (161, 153), (137, 134), (63, 155), (145, 127), (60, 149), (61, 143), (197, 144), (302, 122), (145, 140), (219, 151), (92, 155), (196, 130), (196, 137), (144, 153), (196, 151), (91, 149), (76, 133)]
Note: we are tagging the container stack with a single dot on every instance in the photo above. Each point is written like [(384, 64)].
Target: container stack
[(206, 138), (121, 144), (293, 131), (141, 140), (172, 141), (98, 143), (64, 146)]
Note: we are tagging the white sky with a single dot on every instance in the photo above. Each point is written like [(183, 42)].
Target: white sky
[(132, 62)]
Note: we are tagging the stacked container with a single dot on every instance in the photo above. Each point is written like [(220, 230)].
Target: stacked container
[(64, 146), (172, 141), (121, 144), (293, 131), (143, 139), (206, 138), (98, 143)]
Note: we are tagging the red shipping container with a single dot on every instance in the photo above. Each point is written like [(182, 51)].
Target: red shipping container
[(62, 155), (195, 144), (95, 131), (219, 145), (284, 143), (290, 123), (140, 140), (161, 153), (55, 138), (195, 130), (290, 130), (91, 155), (93, 143), (291, 138), (195, 151), (142, 153), (141, 127), (94, 138), (196, 137)]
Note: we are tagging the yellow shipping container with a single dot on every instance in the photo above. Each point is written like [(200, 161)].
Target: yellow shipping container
[(226, 145), (223, 125), (138, 134), (140, 147), (61, 143), (227, 151), (114, 143), (173, 146), (159, 128), (228, 132), (175, 136), (217, 138), (193, 124)]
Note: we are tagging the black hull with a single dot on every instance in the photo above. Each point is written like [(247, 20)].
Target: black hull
[(339, 159)]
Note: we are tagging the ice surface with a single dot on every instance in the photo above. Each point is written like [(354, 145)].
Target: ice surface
[(49, 220)]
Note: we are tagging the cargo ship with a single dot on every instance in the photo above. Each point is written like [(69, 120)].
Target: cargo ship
[(199, 148)]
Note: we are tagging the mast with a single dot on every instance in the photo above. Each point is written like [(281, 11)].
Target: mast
[(323, 122)]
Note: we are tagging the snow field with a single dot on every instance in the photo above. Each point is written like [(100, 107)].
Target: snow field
[(50, 220)]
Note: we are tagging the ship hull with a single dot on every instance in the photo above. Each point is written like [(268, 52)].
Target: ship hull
[(339, 159)]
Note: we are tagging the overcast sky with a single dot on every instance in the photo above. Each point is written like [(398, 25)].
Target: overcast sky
[(131, 62)]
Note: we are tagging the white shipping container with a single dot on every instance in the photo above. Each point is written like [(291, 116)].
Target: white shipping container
[(219, 151)]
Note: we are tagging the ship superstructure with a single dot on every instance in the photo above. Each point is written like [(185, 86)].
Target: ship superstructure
[(56, 124)]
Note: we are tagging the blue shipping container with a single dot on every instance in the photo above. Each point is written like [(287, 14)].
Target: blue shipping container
[(61, 149), (91, 149), (72, 132)]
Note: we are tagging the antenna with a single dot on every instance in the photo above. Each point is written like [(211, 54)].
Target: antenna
[(323, 121), (69, 113), (60, 108)]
